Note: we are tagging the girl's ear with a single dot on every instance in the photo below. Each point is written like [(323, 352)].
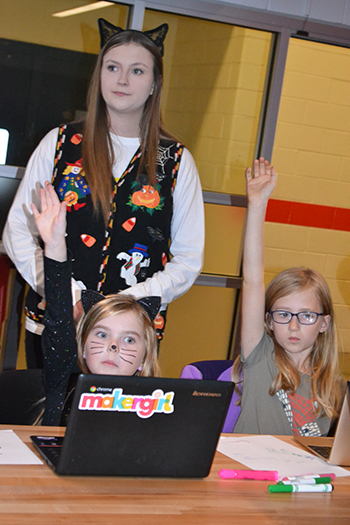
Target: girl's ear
[(268, 321), (325, 323), (84, 353)]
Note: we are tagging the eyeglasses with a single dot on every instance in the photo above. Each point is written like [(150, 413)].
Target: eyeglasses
[(283, 317)]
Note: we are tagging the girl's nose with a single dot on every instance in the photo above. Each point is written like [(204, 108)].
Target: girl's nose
[(294, 323), (113, 348), (123, 79)]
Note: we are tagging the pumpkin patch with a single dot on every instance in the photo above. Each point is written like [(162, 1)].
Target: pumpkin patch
[(145, 196), (148, 196)]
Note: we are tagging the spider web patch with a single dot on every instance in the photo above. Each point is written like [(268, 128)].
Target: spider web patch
[(163, 155)]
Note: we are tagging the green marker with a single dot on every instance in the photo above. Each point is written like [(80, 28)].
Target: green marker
[(306, 481), (324, 487)]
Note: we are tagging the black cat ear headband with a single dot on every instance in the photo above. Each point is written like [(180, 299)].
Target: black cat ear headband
[(150, 304), (157, 35)]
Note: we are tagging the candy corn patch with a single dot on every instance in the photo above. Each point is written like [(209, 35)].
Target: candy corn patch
[(129, 224), (88, 240), (76, 139)]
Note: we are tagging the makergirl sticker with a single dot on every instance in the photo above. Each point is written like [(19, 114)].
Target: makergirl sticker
[(144, 406)]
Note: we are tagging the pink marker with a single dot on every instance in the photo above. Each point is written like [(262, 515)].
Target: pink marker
[(262, 475)]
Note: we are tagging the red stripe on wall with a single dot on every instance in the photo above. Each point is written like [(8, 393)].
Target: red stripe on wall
[(314, 215)]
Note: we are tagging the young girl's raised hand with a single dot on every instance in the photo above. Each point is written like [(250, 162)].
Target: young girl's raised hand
[(51, 223), (260, 181)]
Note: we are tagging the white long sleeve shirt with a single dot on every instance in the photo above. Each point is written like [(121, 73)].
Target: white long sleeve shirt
[(21, 238)]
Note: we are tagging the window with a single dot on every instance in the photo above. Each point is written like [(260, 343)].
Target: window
[(46, 63)]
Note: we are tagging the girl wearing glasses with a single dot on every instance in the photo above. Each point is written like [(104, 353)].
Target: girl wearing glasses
[(289, 359)]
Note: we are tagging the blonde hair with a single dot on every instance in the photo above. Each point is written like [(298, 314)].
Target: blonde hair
[(325, 379), (326, 384), (98, 157), (112, 305)]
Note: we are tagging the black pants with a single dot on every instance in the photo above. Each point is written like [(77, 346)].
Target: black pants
[(34, 354)]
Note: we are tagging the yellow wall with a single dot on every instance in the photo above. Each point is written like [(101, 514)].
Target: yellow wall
[(213, 91), (312, 155), (198, 328), (214, 84), (32, 21)]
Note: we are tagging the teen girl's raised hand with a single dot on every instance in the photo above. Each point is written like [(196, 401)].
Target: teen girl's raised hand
[(51, 223)]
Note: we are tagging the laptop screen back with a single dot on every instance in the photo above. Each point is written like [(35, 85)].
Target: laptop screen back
[(156, 427)]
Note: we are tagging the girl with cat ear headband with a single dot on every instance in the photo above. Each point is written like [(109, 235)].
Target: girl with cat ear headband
[(135, 221), (115, 335)]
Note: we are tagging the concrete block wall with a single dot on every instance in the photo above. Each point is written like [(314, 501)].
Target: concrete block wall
[(216, 79), (312, 156), (32, 21), (214, 86)]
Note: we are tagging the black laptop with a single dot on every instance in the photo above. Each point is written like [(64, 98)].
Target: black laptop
[(140, 426)]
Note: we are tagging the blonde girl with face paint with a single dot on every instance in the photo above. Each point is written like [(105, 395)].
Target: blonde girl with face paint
[(114, 336), (117, 337)]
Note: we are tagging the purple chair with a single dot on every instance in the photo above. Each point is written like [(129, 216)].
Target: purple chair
[(219, 370)]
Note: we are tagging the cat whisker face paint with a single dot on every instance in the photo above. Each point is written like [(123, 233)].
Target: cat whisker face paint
[(97, 347), (118, 325), (115, 345), (125, 354)]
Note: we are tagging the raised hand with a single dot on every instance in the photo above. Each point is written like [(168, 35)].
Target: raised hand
[(51, 223), (261, 181)]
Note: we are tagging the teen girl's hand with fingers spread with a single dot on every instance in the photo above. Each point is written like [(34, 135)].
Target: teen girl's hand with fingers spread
[(51, 223)]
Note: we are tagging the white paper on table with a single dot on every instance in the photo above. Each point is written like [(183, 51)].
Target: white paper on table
[(270, 453), (14, 452)]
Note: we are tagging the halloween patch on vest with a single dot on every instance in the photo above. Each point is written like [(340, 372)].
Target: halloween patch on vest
[(135, 260), (73, 186), (145, 196)]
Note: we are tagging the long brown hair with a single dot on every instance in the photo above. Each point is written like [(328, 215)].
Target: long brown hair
[(324, 371), (98, 157), (112, 305)]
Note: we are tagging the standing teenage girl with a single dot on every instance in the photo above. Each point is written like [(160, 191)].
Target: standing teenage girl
[(114, 336), (135, 216), (289, 358)]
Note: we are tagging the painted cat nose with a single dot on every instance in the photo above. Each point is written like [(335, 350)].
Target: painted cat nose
[(113, 348)]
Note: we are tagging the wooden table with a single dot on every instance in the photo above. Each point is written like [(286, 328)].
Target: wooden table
[(33, 494)]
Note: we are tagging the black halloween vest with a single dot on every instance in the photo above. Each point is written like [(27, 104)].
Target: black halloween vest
[(136, 242)]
